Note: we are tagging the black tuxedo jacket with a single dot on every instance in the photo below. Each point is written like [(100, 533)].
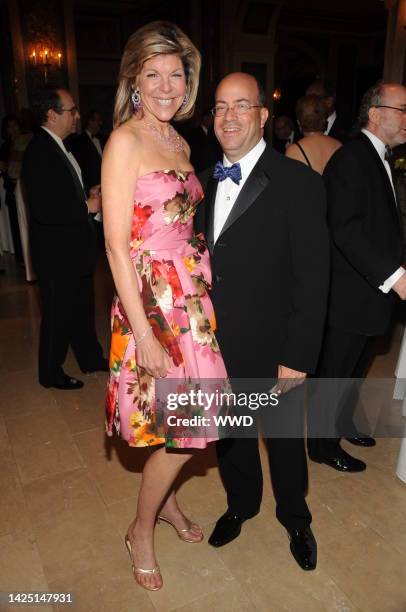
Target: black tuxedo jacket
[(270, 268), (62, 235), (280, 145), (338, 130), (205, 150), (88, 159), (367, 243)]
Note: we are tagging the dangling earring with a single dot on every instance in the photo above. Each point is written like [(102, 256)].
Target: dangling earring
[(136, 100), (185, 101)]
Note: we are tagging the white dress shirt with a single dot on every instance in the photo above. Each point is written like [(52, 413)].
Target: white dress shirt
[(290, 140), (96, 142), (68, 154), (228, 191), (380, 148), (330, 120)]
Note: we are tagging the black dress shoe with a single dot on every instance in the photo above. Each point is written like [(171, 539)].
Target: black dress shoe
[(103, 366), (344, 462), (227, 528), (67, 384), (362, 440), (303, 547)]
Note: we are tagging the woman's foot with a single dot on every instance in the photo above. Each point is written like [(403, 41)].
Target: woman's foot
[(145, 568), (186, 530)]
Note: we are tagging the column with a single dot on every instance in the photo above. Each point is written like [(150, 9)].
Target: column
[(71, 58), (395, 50), (18, 73)]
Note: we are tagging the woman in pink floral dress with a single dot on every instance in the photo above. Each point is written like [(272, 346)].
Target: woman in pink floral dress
[(162, 318)]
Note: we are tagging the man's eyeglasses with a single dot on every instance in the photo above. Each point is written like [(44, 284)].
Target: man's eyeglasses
[(239, 109), (72, 110), (401, 110)]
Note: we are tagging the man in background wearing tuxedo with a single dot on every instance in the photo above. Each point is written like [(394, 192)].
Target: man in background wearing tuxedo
[(367, 257), (87, 148), (324, 90), (264, 220), (286, 133), (204, 147), (63, 243)]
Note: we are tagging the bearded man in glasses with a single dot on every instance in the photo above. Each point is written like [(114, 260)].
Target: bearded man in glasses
[(367, 256), (63, 242), (264, 220)]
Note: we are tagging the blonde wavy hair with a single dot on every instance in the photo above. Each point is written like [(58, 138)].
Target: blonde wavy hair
[(156, 38)]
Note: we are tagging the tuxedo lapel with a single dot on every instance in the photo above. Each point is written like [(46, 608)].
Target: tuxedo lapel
[(385, 178), (57, 149), (252, 188)]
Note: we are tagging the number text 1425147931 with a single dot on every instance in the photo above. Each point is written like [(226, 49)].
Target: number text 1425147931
[(35, 597)]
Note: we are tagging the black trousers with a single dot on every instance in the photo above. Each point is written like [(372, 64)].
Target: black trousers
[(67, 319), (344, 355), (240, 468), (240, 465)]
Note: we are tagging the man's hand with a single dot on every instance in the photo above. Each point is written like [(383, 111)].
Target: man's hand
[(95, 191), (288, 379), (400, 287), (94, 199)]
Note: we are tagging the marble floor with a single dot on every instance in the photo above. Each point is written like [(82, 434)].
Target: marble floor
[(67, 496)]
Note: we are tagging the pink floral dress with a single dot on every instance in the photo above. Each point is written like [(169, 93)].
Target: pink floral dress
[(173, 270)]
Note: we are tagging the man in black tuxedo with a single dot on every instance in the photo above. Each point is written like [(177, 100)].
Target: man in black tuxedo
[(88, 149), (285, 133), (62, 243), (367, 257), (204, 147), (268, 240), (323, 89)]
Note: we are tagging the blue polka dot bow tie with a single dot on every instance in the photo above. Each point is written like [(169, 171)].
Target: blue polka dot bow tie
[(222, 172)]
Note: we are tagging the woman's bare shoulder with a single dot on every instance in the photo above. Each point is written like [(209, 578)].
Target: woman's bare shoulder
[(333, 142), (125, 137), (293, 151), (123, 151)]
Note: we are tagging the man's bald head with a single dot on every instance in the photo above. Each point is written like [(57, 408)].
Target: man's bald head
[(249, 80)]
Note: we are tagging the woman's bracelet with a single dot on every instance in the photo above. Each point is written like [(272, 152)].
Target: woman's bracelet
[(141, 338)]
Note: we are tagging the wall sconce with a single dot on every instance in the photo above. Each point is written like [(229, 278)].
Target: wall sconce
[(277, 95), (45, 59)]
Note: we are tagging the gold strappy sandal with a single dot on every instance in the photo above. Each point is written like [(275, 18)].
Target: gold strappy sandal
[(139, 570), (180, 532)]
